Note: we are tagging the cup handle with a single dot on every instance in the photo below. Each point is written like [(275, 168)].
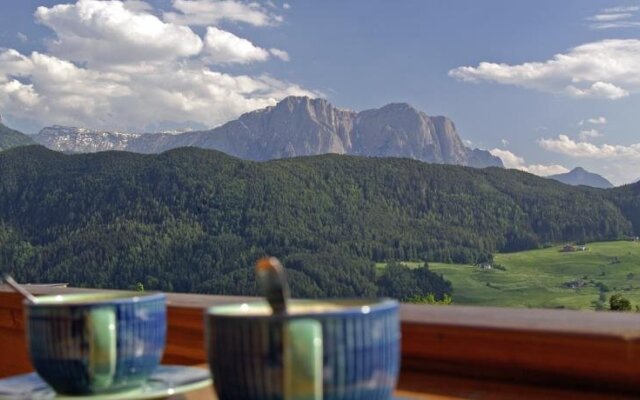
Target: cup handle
[(101, 332), (303, 360)]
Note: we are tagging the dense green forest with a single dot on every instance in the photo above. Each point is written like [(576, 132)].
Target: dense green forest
[(196, 220), (627, 198), (11, 138)]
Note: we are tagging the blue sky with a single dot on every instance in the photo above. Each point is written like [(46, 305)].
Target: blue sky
[(545, 85)]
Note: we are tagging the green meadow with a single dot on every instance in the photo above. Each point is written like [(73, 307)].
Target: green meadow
[(549, 278)]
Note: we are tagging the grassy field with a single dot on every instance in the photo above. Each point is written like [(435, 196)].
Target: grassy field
[(544, 278)]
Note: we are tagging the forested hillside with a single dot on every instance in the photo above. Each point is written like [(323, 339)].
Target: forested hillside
[(627, 199), (11, 138), (196, 220)]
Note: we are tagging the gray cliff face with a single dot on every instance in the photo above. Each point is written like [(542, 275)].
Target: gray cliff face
[(395, 130), (300, 126), (297, 127), (294, 127), (451, 147), (399, 130)]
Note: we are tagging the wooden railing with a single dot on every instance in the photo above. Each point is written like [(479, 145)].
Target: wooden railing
[(598, 351)]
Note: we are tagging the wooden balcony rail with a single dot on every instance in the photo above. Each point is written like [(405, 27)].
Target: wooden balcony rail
[(536, 351)]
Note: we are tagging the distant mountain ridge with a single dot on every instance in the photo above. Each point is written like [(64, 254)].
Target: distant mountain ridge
[(298, 126), (11, 138), (579, 176), (82, 140)]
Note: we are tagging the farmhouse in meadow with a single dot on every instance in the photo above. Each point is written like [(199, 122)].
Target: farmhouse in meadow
[(485, 266)]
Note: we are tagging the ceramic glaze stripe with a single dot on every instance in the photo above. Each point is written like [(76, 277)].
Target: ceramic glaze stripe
[(361, 356), (59, 346), (138, 357), (368, 365)]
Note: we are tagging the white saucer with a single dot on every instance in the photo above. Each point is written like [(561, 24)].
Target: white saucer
[(166, 381)]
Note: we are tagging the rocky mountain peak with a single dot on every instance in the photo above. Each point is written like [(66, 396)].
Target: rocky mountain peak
[(296, 101), (398, 108), (299, 107), (301, 126)]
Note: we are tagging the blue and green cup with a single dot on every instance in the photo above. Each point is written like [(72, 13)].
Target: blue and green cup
[(319, 350), (91, 343)]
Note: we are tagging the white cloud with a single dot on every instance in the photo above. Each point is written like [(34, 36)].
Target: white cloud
[(588, 134), (610, 17), (621, 9), (286, 6), (22, 37), (565, 145), (105, 32), (20, 96), (111, 66), (61, 93), (224, 47), (56, 87), (504, 142), (14, 63), (593, 121), (210, 12), (510, 160), (614, 18), (546, 170), (621, 162), (598, 90), (281, 54), (606, 69), (616, 25)]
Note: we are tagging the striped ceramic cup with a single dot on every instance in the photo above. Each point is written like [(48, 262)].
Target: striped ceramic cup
[(92, 343), (338, 350)]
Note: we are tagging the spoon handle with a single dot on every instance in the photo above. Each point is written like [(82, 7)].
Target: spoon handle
[(273, 284), (18, 288)]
